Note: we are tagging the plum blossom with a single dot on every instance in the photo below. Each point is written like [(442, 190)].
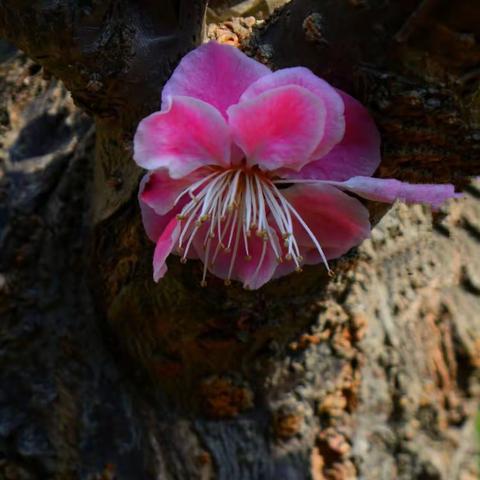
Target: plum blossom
[(251, 171)]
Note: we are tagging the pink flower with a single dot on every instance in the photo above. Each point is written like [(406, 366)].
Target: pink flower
[(249, 169)]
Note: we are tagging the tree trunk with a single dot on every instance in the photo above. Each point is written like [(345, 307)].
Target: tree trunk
[(372, 375)]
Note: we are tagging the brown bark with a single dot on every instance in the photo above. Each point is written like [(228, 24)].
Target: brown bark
[(371, 375)]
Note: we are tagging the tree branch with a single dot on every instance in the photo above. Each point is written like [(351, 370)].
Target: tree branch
[(415, 64), (114, 56)]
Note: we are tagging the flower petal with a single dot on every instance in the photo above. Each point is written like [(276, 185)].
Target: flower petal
[(157, 194), (165, 245), (217, 74), (388, 190), (338, 221), (159, 191), (188, 135), (253, 268), (357, 154), (259, 270), (303, 77), (153, 223), (279, 128)]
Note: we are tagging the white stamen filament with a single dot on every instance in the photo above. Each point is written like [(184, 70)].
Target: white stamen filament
[(233, 204)]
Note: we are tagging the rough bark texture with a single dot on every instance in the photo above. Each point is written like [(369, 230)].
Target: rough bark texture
[(373, 375)]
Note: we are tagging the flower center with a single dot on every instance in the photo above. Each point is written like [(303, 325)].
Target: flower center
[(227, 207)]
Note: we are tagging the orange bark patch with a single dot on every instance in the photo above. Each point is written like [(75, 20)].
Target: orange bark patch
[(306, 340), (286, 425), (221, 398)]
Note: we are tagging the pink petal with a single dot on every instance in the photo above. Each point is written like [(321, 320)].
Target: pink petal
[(279, 128), (165, 245), (283, 269), (357, 154), (247, 271), (153, 223), (156, 195), (188, 135), (217, 74), (156, 215), (159, 191), (253, 273), (388, 190), (338, 221), (303, 77)]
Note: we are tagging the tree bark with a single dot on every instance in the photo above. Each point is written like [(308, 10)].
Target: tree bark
[(104, 374)]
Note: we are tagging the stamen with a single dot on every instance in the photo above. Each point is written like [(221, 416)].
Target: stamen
[(205, 263), (193, 187), (229, 205), (229, 201), (261, 206), (189, 243), (186, 226), (260, 262), (312, 236), (232, 230), (220, 239), (234, 254), (245, 241)]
